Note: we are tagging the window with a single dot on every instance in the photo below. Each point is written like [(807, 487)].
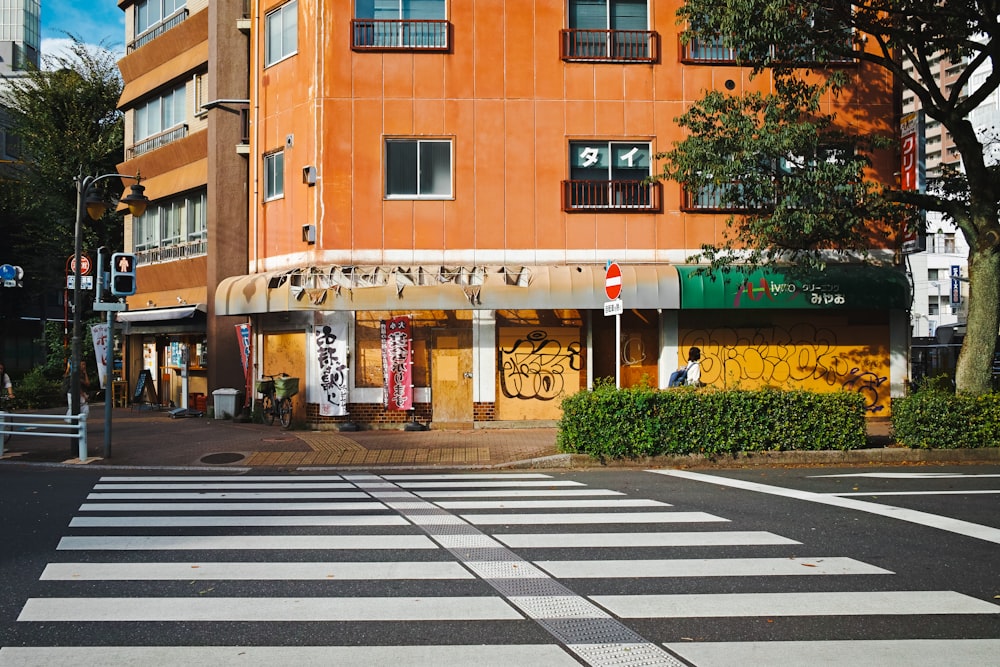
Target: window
[(932, 274), (400, 24), (608, 30), (150, 13), (949, 244), (172, 229), (281, 33), (159, 114), (274, 175), (418, 168), (610, 175)]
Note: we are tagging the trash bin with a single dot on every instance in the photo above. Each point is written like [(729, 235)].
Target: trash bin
[(225, 403)]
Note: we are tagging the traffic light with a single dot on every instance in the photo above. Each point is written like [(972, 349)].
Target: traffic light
[(122, 274)]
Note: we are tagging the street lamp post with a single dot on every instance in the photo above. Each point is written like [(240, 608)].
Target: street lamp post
[(89, 200)]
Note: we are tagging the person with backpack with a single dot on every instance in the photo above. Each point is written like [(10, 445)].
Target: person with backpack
[(689, 374)]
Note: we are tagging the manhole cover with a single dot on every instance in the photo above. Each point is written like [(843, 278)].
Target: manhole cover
[(222, 457), (279, 439)]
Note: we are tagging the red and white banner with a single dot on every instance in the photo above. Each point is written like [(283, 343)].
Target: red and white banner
[(397, 365), (99, 334), (246, 353), (330, 334)]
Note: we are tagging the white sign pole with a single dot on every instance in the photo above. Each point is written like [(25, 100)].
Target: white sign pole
[(618, 350)]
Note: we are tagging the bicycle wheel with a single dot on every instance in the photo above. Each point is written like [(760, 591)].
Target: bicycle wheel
[(285, 412), (267, 409)]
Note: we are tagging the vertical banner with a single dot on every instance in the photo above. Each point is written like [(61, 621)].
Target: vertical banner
[(331, 353), (397, 369), (246, 350), (99, 332)]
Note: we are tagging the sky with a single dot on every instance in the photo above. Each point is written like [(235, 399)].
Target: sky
[(94, 22)]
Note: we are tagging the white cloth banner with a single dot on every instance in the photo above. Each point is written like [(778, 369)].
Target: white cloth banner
[(99, 332), (330, 335)]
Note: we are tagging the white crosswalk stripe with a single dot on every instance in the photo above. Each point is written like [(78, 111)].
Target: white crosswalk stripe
[(385, 549)]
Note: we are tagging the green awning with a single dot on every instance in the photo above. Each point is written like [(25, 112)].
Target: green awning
[(845, 286)]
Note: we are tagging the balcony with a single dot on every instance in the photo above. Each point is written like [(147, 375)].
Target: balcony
[(615, 46), (168, 253), (156, 141), (612, 197), (400, 35), (157, 30), (708, 52)]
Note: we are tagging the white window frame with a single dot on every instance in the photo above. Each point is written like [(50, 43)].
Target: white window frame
[(164, 15), (274, 175), (276, 24), (420, 143), (139, 133), (172, 222)]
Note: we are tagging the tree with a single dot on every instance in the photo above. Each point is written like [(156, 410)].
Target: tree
[(775, 155), (68, 124)]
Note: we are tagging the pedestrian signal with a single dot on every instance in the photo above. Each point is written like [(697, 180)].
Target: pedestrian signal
[(122, 274)]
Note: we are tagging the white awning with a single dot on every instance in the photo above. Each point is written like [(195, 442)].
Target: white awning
[(330, 288), (160, 314)]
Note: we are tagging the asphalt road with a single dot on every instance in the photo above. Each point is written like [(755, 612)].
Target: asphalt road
[(886, 566)]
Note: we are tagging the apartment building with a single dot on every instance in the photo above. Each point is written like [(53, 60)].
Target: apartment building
[(437, 188), (185, 102)]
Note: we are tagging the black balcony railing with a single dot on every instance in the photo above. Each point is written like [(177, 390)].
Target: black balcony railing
[(157, 140), (157, 30), (612, 196), (628, 46), (400, 35)]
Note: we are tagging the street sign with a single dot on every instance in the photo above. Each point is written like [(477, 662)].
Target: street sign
[(84, 265), (613, 307), (86, 282), (613, 281)]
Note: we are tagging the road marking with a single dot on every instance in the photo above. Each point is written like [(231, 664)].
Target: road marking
[(315, 609), (678, 539), (222, 478), (543, 655), (233, 495), (230, 521), (547, 504), (251, 542), (329, 571), (957, 526), (875, 494), (472, 484), (590, 517), (862, 603), (585, 629), (447, 476), (223, 486), (517, 493), (912, 475), (229, 507), (705, 567), (885, 653)]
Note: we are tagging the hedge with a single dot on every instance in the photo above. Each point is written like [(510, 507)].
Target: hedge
[(610, 423), (939, 419)]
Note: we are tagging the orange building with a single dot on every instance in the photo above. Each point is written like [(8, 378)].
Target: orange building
[(473, 166), (185, 104)]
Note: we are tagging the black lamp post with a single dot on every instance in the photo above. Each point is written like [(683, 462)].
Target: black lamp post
[(89, 199)]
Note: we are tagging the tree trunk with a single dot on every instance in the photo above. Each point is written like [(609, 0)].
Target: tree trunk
[(973, 373)]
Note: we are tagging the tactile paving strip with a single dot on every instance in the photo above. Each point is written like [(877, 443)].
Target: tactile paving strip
[(583, 627)]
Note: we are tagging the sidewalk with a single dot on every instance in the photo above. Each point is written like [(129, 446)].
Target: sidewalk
[(150, 438)]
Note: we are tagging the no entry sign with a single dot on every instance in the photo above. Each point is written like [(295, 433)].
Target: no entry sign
[(613, 281)]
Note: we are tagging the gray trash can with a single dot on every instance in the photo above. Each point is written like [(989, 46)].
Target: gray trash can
[(225, 403)]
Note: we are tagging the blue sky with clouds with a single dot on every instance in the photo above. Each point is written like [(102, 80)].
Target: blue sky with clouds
[(94, 22)]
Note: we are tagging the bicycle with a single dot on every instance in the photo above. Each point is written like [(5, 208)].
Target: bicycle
[(277, 392)]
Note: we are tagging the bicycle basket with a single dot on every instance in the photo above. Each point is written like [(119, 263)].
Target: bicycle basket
[(265, 386), (286, 387)]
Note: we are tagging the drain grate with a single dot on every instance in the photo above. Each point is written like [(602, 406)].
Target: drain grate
[(221, 458)]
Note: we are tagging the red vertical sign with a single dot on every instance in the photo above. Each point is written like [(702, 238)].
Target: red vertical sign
[(397, 368)]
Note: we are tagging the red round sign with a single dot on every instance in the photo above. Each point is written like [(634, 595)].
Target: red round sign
[(613, 281), (84, 265)]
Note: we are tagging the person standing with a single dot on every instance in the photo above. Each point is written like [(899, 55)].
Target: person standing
[(6, 386)]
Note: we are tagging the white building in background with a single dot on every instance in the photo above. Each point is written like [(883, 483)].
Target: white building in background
[(20, 43), (937, 301)]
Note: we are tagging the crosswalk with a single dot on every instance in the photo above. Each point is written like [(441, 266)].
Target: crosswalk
[(448, 569)]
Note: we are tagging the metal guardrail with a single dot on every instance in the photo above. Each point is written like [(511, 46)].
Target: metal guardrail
[(45, 426)]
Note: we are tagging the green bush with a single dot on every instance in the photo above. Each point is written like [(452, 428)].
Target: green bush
[(936, 418), (38, 391), (609, 423)]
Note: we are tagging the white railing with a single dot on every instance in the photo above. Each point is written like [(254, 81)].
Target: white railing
[(45, 426)]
